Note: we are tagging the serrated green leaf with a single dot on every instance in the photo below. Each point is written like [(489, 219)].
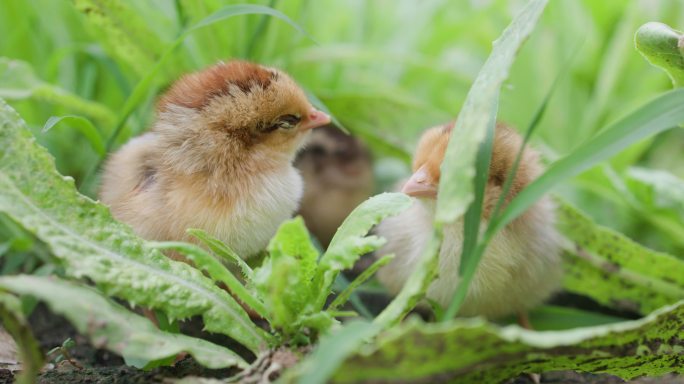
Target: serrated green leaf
[(110, 325), (17, 326), (473, 351), (222, 250), (84, 126), (217, 271), (284, 281), (350, 240), (663, 47), (88, 242), (458, 166), (273, 281), (616, 271), (293, 240)]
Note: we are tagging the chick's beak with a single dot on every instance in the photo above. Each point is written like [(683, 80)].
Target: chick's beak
[(315, 119), (419, 185)]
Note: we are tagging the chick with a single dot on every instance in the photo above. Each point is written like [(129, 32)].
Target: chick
[(338, 176), (520, 268), (218, 157)]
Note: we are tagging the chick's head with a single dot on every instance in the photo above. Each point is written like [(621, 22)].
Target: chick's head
[(507, 142), (233, 113)]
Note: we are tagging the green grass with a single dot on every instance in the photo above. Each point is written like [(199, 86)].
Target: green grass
[(85, 75), (386, 69)]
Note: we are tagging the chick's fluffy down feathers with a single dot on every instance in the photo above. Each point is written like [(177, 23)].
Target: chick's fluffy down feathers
[(218, 157), (162, 209), (521, 266)]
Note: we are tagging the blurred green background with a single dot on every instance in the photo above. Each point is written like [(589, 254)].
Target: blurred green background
[(387, 69)]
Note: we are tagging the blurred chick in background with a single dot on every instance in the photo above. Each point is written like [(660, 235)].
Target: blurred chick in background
[(219, 158), (338, 176), (521, 266)]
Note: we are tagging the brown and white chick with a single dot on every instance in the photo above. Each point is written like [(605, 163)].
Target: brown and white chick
[(521, 266), (338, 176), (218, 157)]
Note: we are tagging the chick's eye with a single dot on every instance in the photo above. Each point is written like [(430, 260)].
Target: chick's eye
[(288, 121)]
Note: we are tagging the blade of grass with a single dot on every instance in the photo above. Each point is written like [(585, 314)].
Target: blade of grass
[(365, 275), (662, 113), (470, 260), (259, 31), (84, 126), (340, 284), (222, 250), (458, 168), (475, 129)]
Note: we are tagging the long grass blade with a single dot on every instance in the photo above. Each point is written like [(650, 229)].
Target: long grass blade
[(662, 113), (365, 275), (84, 126)]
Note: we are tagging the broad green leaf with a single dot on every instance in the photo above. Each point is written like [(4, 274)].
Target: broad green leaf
[(473, 351), (274, 281), (350, 240), (217, 271), (17, 326), (110, 325), (331, 352), (122, 32), (458, 166), (616, 271), (222, 250), (365, 275), (293, 240), (18, 81), (284, 281), (89, 243), (84, 126), (416, 286), (662, 113), (663, 47)]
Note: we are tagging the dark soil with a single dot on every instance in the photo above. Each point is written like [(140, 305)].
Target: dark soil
[(103, 367)]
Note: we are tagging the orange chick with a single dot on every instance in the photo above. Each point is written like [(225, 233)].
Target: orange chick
[(521, 266), (338, 176), (218, 157)]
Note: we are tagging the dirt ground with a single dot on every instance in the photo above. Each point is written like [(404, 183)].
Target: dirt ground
[(103, 367)]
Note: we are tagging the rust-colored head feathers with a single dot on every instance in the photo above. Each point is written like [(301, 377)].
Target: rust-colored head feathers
[(196, 90), (432, 148), (233, 109)]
